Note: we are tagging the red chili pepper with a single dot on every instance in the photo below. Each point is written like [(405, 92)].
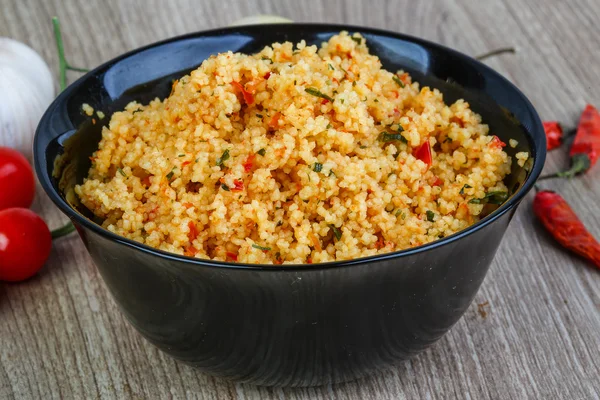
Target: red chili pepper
[(248, 98), (238, 185), (497, 143), (405, 78), (458, 121), (193, 233), (190, 251), (249, 163), (423, 153), (585, 150), (267, 75), (554, 134), (564, 225), (274, 122), (183, 164), (380, 244), (231, 256), (587, 139)]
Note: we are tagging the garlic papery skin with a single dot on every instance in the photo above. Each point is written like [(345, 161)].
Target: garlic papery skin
[(26, 90)]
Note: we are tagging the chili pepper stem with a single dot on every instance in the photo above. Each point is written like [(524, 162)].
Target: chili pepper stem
[(579, 164), (63, 65), (550, 176), (496, 52), (63, 230)]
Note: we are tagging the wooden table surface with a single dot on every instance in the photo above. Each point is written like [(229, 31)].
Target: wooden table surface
[(533, 330)]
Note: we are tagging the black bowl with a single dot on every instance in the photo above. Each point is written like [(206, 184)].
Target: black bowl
[(286, 325)]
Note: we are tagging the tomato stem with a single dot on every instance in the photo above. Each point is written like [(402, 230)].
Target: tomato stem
[(63, 65), (63, 230)]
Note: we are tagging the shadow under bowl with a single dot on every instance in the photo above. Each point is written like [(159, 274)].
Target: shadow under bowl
[(287, 325)]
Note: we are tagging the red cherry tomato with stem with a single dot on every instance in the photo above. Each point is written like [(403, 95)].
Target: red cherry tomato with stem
[(17, 184)]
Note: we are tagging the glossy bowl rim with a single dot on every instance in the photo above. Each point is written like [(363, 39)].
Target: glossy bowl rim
[(538, 148)]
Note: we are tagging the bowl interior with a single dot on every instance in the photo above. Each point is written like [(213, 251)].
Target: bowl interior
[(67, 137)]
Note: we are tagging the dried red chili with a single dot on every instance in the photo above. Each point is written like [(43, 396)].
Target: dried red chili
[(554, 134), (585, 150), (563, 224), (423, 153)]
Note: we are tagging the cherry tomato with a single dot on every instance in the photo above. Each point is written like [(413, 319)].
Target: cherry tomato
[(25, 244), (17, 185)]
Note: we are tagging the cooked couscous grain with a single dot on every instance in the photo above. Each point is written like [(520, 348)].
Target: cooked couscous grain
[(522, 157), (87, 109), (294, 155)]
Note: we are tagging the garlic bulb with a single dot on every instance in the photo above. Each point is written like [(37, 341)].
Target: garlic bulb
[(261, 19), (26, 90)]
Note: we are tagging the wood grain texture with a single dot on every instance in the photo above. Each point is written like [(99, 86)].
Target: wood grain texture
[(62, 336)]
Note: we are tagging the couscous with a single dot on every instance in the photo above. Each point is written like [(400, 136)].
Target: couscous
[(296, 154)]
